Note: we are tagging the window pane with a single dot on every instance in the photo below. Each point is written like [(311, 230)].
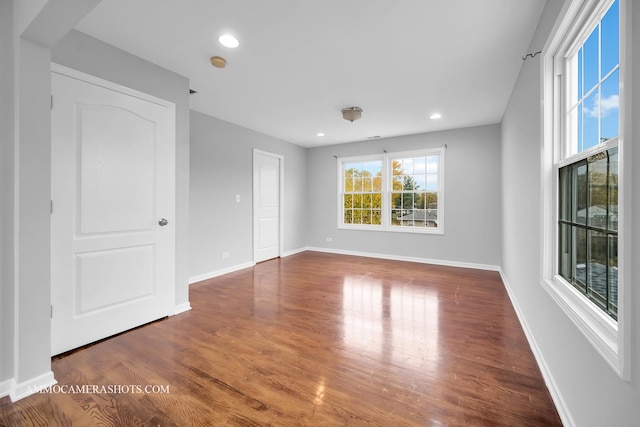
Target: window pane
[(597, 211), (366, 216), (432, 164), (348, 201), (366, 184), (579, 131), (357, 216), (348, 182), (366, 201), (591, 60), (397, 167), (376, 217), (348, 216), (580, 257), (564, 252), (579, 204), (396, 200), (610, 39), (377, 182), (407, 165), (397, 182), (395, 217), (590, 121), (613, 275), (597, 268), (432, 182), (419, 165), (613, 189), (407, 201), (580, 71), (421, 201), (609, 117), (376, 200), (578, 90), (431, 200), (419, 181), (564, 185)]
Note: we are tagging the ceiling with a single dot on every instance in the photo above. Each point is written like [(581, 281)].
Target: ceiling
[(300, 62)]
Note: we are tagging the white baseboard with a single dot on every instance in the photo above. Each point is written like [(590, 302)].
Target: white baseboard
[(181, 308), (201, 277), (409, 259), (6, 387), (27, 388), (293, 252), (556, 396)]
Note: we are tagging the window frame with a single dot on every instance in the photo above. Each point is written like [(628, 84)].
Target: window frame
[(387, 189), (609, 337)]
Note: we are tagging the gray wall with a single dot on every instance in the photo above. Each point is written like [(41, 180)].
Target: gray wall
[(6, 190), (472, 199), (221, 168), (89, 55), (590, 392)]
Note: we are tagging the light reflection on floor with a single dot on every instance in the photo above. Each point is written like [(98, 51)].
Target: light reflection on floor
[(397, 316)]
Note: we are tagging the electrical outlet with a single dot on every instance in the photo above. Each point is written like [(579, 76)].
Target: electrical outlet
[(329, 239), (225, 254), (237, 198)]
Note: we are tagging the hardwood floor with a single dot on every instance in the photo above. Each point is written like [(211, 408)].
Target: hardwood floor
[(313, 339)]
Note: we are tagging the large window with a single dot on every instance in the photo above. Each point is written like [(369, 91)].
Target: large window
[(584, 146), (392, 192), (588, 184)]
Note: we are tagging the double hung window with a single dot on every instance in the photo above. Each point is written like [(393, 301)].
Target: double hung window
[(583, 184), (588, 165), (392, 192)]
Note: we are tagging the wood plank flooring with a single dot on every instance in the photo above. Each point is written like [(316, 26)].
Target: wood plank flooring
[(313, 339)]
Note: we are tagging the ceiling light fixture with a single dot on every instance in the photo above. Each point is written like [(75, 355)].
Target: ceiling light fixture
[(435, 116), (351, 113), (218, 62), (227, 40)]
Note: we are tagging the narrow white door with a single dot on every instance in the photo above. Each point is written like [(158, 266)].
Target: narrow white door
[(267, 183), (113, 204)]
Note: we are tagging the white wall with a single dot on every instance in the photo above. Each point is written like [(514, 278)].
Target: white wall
[(6, 191), (221, 168), (472, 199), (587, 391)]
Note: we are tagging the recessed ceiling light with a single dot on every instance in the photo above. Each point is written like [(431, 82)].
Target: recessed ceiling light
[(228, 40), (319, 134), (435, 116)]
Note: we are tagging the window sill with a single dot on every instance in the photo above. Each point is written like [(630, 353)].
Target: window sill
[(414, 230), (599, 329)]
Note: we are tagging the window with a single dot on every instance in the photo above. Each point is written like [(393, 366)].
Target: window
[(392, 192), (583, 189)]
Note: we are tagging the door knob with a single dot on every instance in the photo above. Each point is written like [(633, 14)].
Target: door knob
[(163, 222)]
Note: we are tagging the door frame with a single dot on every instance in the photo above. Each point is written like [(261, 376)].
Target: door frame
[(280, 158)]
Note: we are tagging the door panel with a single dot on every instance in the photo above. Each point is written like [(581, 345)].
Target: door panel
[(113, 156), (115, 145), (266, 188), (109, 277)]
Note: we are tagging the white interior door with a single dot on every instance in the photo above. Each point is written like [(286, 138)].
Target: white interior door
[(113, 204), (267, 183)]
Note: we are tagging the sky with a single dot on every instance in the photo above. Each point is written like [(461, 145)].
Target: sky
[(598, 82)]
